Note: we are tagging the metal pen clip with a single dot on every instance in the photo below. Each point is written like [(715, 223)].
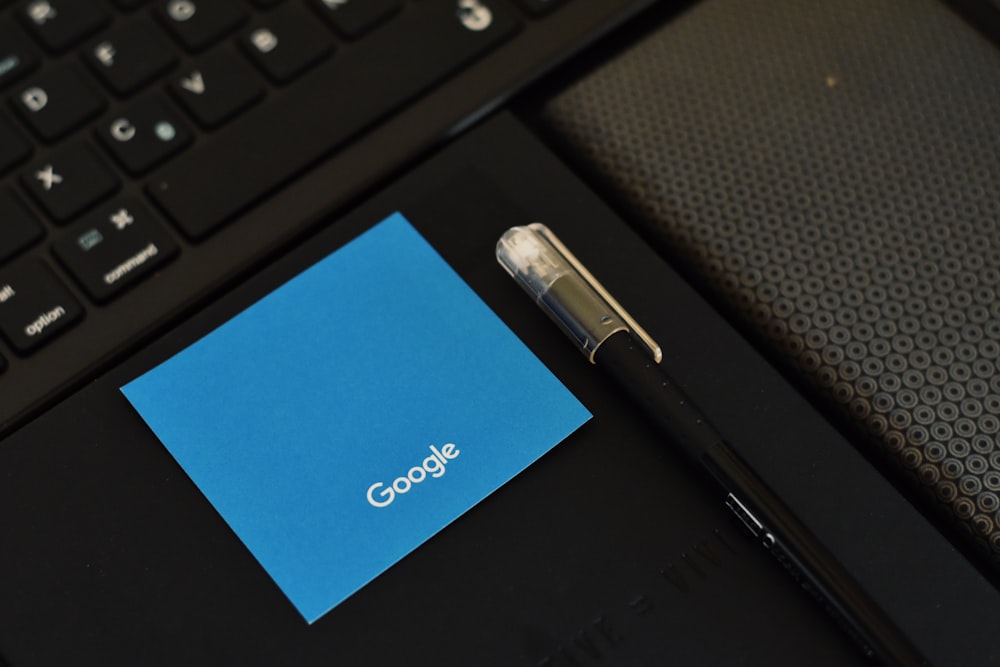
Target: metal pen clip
[(566, 290)]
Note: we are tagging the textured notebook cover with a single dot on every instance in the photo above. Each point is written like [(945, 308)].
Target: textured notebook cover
[(348, 416), (830, 171)]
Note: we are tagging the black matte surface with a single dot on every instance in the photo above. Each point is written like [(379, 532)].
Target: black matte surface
[(609, 550)]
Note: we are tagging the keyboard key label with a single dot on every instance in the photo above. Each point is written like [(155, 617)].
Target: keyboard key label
[(35, 307), (474, 15), (41, 12), (115, 247), (354, 412)]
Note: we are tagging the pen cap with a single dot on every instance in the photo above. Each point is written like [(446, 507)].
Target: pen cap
[(527, 254)]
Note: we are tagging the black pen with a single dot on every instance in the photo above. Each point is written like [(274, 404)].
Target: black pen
[(611, 339)]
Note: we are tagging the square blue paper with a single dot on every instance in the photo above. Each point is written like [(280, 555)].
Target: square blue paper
[(345, 377)]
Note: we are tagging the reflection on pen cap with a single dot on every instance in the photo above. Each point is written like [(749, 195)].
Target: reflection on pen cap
[(531, 259), (565, 289)]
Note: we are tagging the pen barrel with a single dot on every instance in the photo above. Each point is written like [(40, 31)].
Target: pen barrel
[(809, 562), (764, 515), (656, 393)]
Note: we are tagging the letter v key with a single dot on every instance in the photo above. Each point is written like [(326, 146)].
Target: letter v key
[(217, 88), (194, 83)]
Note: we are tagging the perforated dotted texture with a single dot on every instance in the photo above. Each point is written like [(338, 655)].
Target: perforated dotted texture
[(835, 179)]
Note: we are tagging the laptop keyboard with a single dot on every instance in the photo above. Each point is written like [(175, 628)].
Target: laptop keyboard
[(134, 131)]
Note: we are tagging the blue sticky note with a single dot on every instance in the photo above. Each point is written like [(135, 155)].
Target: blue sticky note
[(355, 411)]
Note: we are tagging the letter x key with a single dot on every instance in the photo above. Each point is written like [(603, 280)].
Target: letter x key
[(68, 181)]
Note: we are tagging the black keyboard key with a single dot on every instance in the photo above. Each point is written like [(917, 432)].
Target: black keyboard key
[(131, 55), (61, 24), (13, 147), (34, 306), (353, 18), (286, 43), (17, 57), (57, 101), (200, 23), (540, 7), (129, 5), (18, 227), (69, 181), (143, 134), (220, 86), (114, 248), (268, 145)]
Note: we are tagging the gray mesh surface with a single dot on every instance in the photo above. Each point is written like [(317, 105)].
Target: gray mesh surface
[(830, 169)]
